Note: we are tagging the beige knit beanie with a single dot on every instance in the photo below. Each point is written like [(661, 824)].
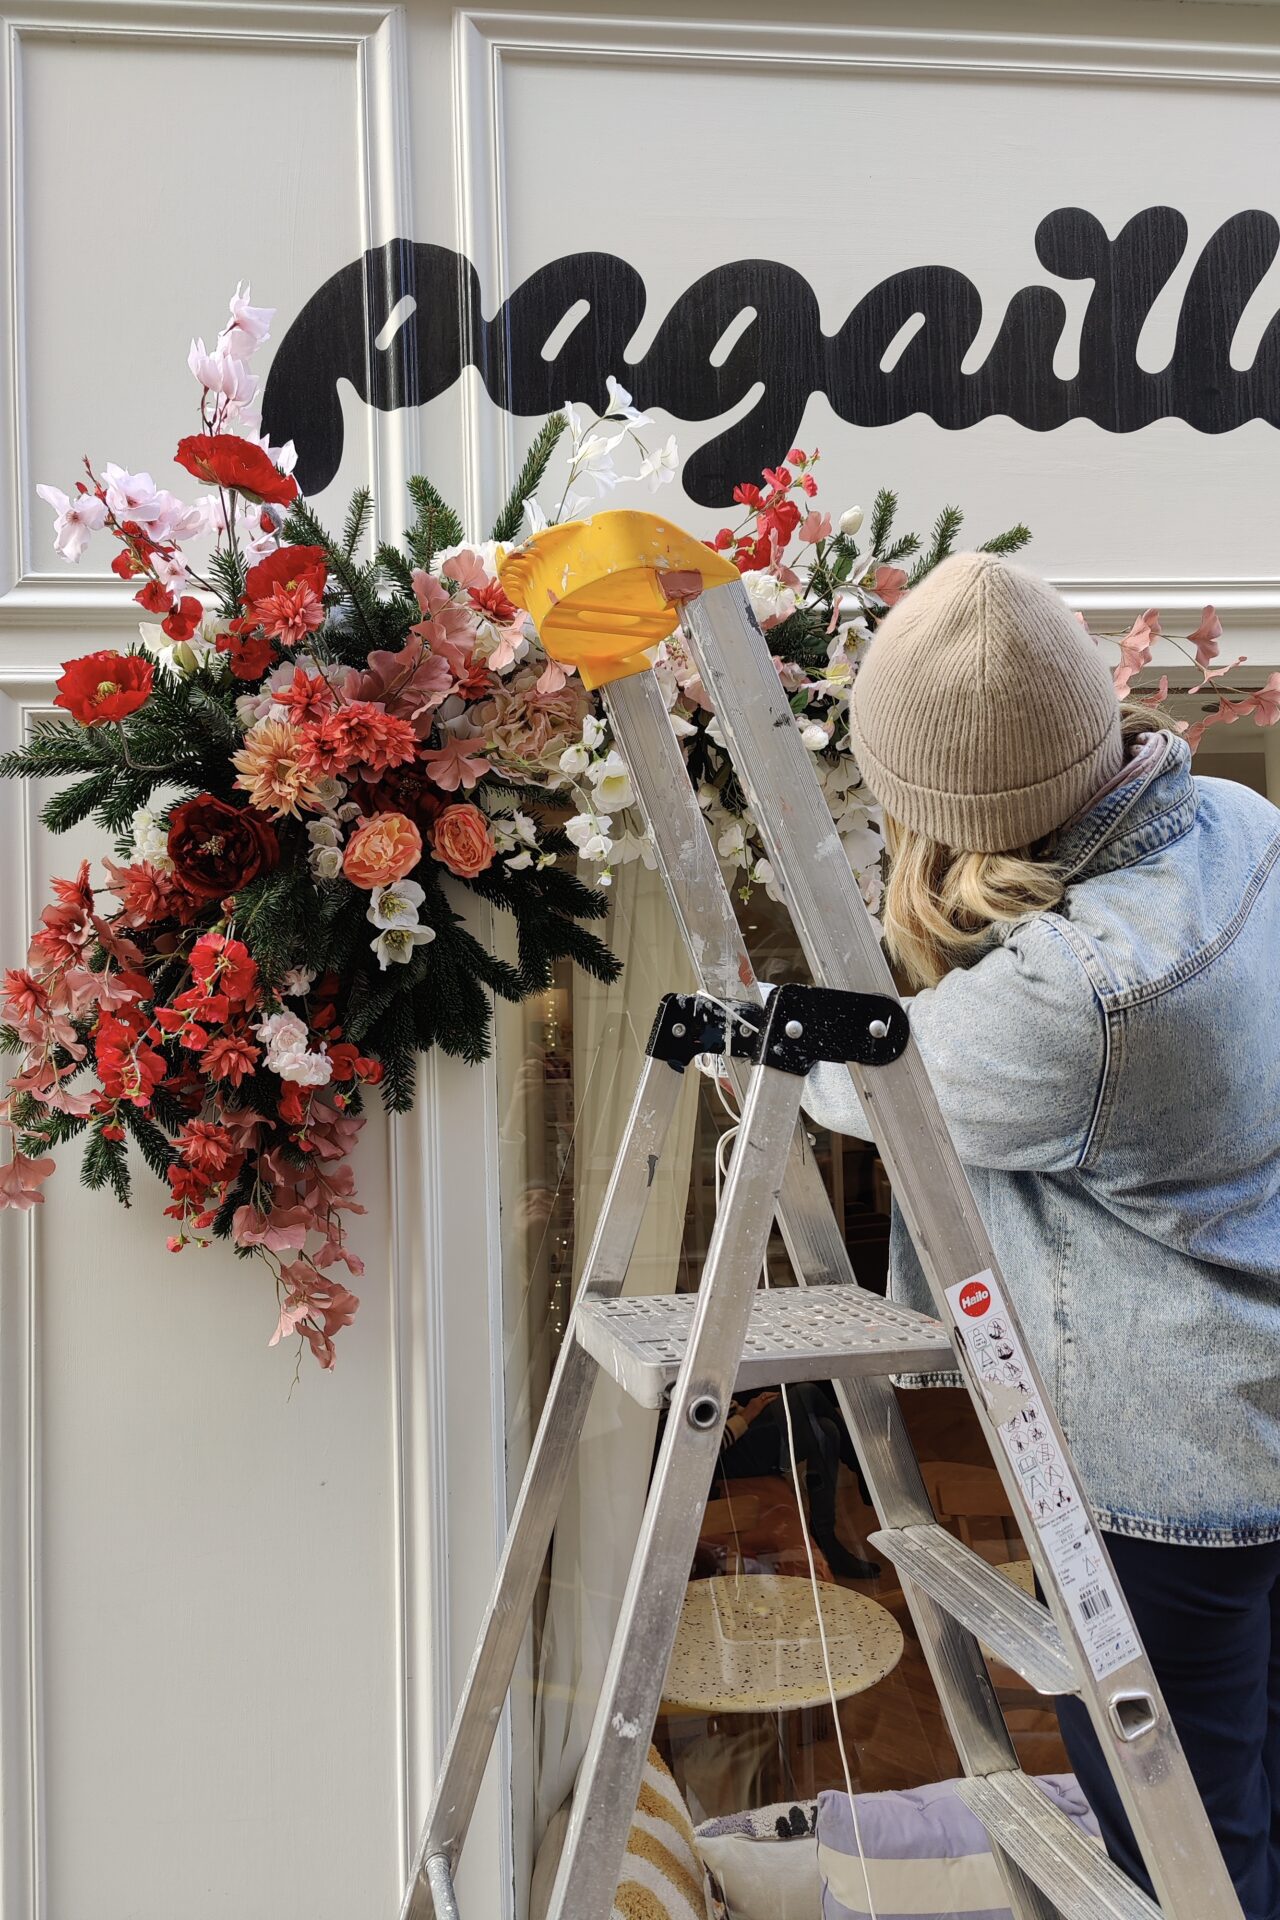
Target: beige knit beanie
[(983, 715)]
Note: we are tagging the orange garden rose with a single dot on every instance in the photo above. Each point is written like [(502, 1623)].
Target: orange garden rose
[(462, 840), (382, 850)]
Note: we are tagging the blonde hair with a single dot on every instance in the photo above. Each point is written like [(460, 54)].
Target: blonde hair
[(940, 905)]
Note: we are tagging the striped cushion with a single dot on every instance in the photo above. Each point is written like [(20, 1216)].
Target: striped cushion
[(661, 1876)]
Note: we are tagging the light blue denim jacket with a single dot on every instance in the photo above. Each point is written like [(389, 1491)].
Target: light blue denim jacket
[(1110, 1073)]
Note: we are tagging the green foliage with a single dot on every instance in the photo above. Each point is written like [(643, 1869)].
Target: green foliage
[(1011, 542), (106, 1164), (436, 525), (356, 524), (509, 522)]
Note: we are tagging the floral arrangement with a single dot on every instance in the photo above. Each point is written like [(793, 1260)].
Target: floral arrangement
[(310, 758)]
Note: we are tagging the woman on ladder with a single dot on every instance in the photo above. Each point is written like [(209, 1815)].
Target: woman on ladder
[(1095, 936)]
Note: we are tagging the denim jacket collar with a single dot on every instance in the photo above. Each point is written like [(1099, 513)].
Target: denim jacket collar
[(1152, 805)]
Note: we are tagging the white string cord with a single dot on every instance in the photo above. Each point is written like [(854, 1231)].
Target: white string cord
[(726, 1140)]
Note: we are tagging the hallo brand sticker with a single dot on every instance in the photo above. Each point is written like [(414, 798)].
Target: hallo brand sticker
[(974, 1298)]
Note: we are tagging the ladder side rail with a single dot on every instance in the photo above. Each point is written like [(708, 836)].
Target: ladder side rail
[(511, 1601), (610, 1776), (815, 1245), (843, 950)]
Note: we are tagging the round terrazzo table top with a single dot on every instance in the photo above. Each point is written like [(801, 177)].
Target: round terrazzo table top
[(748, 1643)]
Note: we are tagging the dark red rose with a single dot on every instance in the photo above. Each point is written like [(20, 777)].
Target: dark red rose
[(225, 460), (104, 686), (286, 567), (407, 789), (217, 848)]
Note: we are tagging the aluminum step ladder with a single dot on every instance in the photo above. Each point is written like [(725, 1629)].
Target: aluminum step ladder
[(602, 593)]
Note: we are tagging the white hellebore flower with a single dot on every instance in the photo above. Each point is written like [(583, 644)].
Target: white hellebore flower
[(770, 600), (396, 946), (324, 833), (661, 465), (396, 905), (850, 521), (325, 862), (611, 778), (79, 515), (297, 981)]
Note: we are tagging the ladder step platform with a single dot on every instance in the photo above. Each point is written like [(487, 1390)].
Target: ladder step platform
[(1069, 1867), (1009, 1623), (796, 1333)]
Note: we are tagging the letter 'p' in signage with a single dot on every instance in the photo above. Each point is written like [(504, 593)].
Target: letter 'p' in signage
[(899, 352)]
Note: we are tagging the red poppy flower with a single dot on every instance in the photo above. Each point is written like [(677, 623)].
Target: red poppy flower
[(183, 621), (287, 567), (104, 686), (154, 597), (249, 651), (225, 460)]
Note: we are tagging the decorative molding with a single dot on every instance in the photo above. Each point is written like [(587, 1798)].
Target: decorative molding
[(441, 1161), (374, 36), (22, 1856), (487, 42)]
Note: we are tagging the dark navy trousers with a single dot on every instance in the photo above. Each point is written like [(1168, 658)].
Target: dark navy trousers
[(1210, 1619)]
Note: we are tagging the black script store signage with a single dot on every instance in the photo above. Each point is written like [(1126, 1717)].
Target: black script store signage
[(899, 352)]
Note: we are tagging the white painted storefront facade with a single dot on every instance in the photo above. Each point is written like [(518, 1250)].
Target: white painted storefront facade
[(232, 1615)]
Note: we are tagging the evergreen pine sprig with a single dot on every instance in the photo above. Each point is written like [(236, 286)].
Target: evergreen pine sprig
[(436, 526), (509, 522)]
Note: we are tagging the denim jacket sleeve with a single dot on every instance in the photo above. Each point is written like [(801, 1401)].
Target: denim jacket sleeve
[(1016, 1049)]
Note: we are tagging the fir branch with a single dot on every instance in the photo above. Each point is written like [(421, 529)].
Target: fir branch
[(105, 1163), (227, 573), (945, 529), (395, 567), (508, 523), (356, 523), (70, 805), (901, 549), (1011, 542), (882, 518), (437, 524), (55, 748), (153, 1146)]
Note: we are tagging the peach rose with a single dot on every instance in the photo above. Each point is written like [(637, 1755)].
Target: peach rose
[(463, 841), (382, 850)]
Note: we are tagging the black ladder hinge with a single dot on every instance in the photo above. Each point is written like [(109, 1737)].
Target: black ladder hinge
[(804, 1025), (688, 1024)]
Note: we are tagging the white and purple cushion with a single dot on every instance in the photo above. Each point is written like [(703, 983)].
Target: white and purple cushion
[(923, 1856)]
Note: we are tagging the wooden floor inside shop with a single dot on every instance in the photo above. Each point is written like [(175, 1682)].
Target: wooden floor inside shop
[(894, 1733)]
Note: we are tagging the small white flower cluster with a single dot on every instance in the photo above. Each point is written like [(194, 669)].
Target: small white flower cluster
[(150, 841), (516, 837), (600, 782), (393, 909), (591, 449), (284, 1036)]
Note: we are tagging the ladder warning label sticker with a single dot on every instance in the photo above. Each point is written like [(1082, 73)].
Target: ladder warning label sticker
[(1004, 1378)]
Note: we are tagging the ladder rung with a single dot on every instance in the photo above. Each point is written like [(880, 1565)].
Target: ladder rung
[(1065, 1863), (1009, 1623), (796, 1333)]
